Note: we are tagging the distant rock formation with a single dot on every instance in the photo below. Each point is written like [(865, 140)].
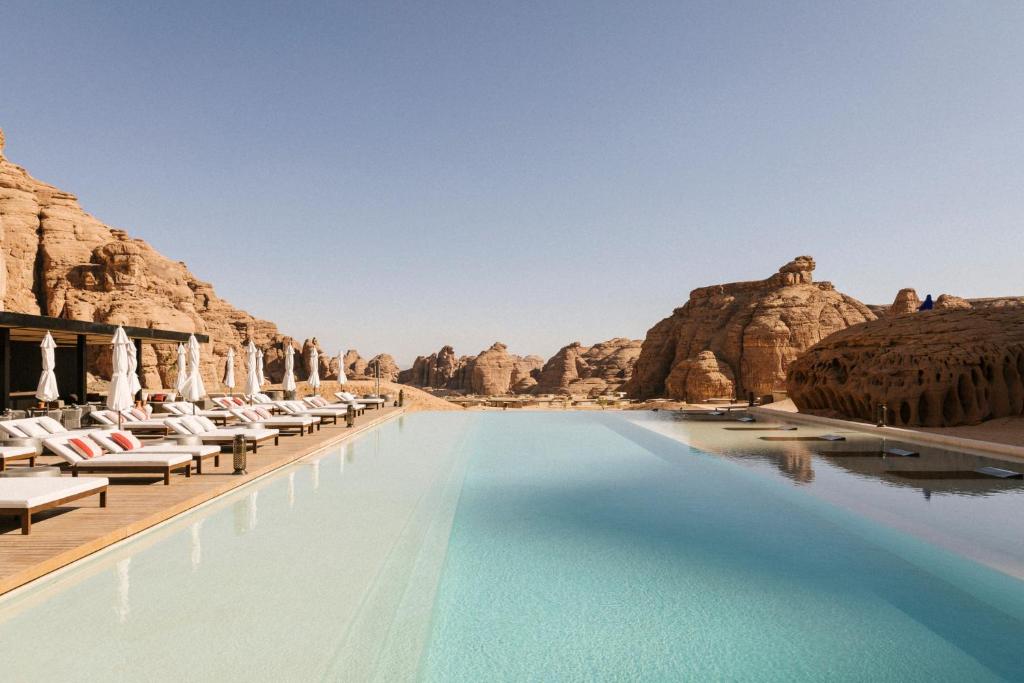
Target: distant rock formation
[(936, 368), (493, 372), (740, 338), (907, 301), (357, 366), (588, 371), (58, 260)]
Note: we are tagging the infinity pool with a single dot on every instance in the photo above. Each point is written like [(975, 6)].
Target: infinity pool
[(552, 547)]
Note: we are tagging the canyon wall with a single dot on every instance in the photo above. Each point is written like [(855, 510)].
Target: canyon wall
[(938, 368), (59, 261), (740, 338)]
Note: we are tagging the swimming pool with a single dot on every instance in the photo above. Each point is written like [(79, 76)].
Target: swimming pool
[(549, 546)]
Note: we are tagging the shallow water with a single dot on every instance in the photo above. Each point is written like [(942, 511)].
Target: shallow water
[(547, 546)]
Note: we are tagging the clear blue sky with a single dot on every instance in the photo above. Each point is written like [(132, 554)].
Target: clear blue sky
[(394, 177)]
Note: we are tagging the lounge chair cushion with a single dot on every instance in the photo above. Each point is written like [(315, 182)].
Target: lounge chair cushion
[(115, 441), (193, 424), (262, 412), (102, 417), (138, 414), (207, 423), (16, 451), (24, 493), (85, 447), (50, 425), (33, 430), (147, 459), (251, 415), (14, 430)]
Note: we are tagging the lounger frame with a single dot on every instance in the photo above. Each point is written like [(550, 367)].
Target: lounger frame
[(25, 514), (165, 470)]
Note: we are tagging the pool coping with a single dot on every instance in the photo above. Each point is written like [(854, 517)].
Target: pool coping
[(975, 446)]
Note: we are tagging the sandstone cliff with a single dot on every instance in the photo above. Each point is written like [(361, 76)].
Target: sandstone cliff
[(937, 368), (740, 338), (588, 371), (492, 372), (58, 260)]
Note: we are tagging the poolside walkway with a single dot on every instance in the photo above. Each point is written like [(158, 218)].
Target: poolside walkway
[(63, 535)]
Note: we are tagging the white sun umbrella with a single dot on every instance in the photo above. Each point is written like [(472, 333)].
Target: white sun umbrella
[(259, 367), (314, 370), (119, 396), (194, 389), (252, 377), (179, 384), (288, 383), (47, 389), (341, 368), (133, 370), (229, 370)]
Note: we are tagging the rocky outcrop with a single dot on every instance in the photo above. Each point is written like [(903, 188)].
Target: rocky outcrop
[(937, 368), (588, 371), (906, 301), (493, 372), (60, 261), (355, 365), (754, 330), (441, 370)]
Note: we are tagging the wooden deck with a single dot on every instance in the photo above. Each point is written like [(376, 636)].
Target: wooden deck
[(134, 503)]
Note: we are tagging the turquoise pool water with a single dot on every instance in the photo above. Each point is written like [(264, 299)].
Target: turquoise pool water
[(537, 547)]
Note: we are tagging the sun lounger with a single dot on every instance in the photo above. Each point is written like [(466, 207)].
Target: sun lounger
[(292, 424), (300, 408), (346, 397), (341, 406), (34, 428), (116, 463), (114, 441), (183, 408), (232, 402), (13, 453), (25, 496), (208, 433), (130, 420)]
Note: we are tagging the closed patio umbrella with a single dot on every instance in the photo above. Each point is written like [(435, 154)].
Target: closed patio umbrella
[(119, 396), (288, 383), (47, 389), (194, 389), (133, 370), (341, 368), (252, 378), (179, 384), (259, 367), (229, 370), (314, 370)]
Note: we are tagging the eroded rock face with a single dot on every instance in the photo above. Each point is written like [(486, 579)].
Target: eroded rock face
[(588, 371), (753, 329), (936, 368), (492, 372), (60, 261)]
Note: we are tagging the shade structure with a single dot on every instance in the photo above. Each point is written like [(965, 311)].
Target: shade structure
[(341, 368), (314, 370), (47, 389), (179, 384), (252, 377), (194, 389), (119, 393), (259, 367), (288, 383), (133, 370), (229, 370)]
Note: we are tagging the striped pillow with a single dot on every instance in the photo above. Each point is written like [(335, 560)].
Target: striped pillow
[(126, 440), (85, 447)]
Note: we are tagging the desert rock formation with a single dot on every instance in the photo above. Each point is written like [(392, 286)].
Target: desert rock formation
[(937, 368), (753, 331), (588, 371), (493, 372)]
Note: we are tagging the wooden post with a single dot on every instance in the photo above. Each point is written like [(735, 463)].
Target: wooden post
[(81, 376), (5, 369)]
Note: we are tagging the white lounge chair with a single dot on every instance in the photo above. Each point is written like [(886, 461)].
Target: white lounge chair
[(184, 408), (131, 420), (35, 427), (116, 463), (346, 397), (300, 408), (14, 453), (341, 406), (25, 496), (114, 441), (207, 432), (294, 424)]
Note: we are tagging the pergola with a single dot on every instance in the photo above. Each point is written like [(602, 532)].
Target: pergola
[(20, 361)]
